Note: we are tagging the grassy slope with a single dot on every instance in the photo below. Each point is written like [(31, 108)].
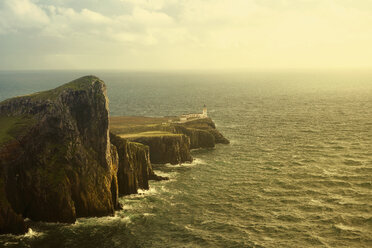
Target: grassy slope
[(148, 134), (78, 84), (136, 124), (11, 127)]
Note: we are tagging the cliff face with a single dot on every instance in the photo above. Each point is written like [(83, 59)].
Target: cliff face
[(10, 221), (135, 169), (57, 162), (172, 148), (198, 138), (169, 141), (202, 133)]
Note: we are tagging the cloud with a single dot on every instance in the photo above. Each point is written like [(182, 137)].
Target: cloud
[(201, 32), (16, 15), (151, 4)]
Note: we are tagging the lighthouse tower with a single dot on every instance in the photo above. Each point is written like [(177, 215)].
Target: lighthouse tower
[(205, 114)]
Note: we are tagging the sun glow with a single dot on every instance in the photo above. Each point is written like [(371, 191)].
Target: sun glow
[(195, 34)]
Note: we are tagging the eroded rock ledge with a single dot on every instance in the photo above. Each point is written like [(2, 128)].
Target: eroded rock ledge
[(165, 148), (169, 141), (202, 133), (135, 169)]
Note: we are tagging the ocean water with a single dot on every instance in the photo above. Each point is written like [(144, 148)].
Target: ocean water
[(298, 171)]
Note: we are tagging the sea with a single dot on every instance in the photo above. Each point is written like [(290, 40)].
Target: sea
[(298, 171)]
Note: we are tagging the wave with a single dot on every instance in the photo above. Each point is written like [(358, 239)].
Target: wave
[(196, 161), (106, 220), (145, 192), (352, 162), (32, 234), (170, 175)]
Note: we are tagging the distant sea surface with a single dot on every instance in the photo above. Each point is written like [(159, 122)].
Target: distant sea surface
[(298, 171)]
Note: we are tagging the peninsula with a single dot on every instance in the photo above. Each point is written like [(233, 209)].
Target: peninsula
[(169, 138), (63, 157)]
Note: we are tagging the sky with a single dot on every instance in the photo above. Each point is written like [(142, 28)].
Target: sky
[(185, 34)]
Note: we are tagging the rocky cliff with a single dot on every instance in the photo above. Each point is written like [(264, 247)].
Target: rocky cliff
[(202, 133), (169, 140), (57, 162), (135, 169), (198, 138), (166, 147)]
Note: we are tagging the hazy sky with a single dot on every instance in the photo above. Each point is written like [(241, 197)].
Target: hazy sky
[(188, 34)]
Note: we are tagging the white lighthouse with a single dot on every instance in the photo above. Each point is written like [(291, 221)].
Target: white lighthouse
[(205, 113)]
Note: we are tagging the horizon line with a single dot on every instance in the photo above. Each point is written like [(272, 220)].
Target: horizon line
[(213, 70)]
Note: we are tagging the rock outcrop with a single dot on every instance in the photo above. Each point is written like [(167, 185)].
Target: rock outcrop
[(57, 162), (10, 221), (169, 141), (202, 133), (198, 138), (166, 148), (135, 169)]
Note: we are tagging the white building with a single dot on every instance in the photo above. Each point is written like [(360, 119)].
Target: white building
[(187, 117)]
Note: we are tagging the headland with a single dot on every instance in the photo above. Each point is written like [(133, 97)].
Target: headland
[(170, 139), (62, 157)]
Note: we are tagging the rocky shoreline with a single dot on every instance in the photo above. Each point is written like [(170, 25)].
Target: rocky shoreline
[(59, 161), (169, 141)]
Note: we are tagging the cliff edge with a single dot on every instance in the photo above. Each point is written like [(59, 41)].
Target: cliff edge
[(164, 147), (134, 167), (169, 140), (202, 133), (59, 161), (56, 159)]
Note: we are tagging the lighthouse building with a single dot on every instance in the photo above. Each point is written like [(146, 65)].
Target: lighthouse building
[(205, 114), (187, 117)]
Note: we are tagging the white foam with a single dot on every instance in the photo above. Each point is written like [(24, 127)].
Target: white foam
[(330, 172), (188, 227), (165, 174), (127, 207), (101, 220), (148, 214), (151, 191), (346, 228), (234, 142), (196, 161), (31, 233), (316, 202)]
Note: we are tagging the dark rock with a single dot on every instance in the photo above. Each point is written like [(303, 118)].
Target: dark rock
[(202, 133), (172, 148), (198, 138), (135, 169), (10, 222), (60, 164)]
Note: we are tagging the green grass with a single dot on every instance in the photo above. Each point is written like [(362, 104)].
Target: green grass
[(137, 124), (148, 134), (136, 129), (137, 145), (11, 127), (132, 127), (78, 84)]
